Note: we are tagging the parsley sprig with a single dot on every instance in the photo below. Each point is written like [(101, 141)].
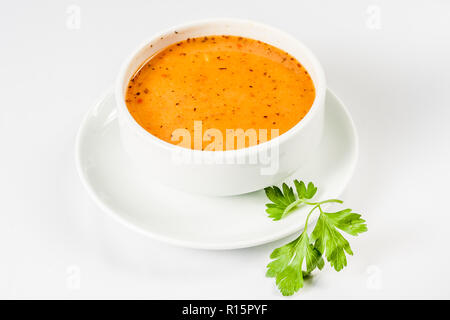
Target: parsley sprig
[(306, 251)]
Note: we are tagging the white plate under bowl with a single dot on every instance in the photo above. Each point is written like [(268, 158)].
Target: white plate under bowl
[(197, 221)]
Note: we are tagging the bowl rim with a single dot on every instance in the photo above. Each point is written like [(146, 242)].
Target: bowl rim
[(319, 100)]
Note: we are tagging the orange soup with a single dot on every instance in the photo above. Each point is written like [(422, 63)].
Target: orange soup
[(222, 83)]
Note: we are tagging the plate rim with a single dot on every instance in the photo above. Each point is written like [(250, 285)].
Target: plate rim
[(240, 244)]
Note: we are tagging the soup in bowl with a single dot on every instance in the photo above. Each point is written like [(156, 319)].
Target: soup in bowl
[(220, 107)]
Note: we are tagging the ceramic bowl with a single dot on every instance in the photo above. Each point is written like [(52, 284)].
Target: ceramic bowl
[(231, 172)]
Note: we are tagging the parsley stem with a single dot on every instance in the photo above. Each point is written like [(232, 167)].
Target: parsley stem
[(327, 201), (303, 201), (307, 217), (317, 205), (292, 206)]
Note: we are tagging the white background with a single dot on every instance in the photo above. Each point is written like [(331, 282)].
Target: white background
[(393, 73)]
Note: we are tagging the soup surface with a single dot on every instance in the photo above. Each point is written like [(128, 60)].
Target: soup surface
[(219, 84)]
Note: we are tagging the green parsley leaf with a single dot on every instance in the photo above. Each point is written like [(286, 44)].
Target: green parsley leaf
[(289, 260), (310, 191), (301, 188), (303, 192), (284, 201), (329, 241)]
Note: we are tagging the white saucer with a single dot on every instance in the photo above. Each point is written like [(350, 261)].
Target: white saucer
[(197, 221)]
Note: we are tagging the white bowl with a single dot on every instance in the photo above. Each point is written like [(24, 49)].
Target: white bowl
[(228, 172)]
